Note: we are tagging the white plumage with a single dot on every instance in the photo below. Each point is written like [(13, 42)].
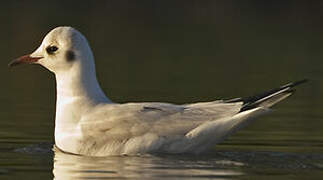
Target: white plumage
[(88, 123)]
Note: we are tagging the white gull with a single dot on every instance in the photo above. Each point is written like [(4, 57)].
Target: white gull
[(88, 123)]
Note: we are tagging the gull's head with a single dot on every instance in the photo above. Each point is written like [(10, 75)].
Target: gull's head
[(61, 49)]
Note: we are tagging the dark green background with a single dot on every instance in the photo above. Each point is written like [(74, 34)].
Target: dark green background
[(174, 51)]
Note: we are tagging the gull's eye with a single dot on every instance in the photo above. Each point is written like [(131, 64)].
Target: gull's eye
[(51, 49)]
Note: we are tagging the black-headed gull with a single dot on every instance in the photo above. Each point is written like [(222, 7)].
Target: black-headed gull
[(88, 123)]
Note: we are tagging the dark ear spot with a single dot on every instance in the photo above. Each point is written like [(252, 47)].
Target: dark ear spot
[(70, 56)]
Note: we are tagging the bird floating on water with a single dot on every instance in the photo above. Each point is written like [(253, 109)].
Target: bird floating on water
[(88, 123)]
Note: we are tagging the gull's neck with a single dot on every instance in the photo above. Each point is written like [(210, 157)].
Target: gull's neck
[(78, 91), (80, 85)]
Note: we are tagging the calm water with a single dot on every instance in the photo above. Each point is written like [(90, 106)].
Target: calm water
[(176, 52)]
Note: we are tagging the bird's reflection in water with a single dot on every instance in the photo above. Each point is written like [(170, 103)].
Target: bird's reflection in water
[(68, 166)]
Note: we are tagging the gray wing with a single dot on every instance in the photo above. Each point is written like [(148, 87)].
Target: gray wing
[(123, 121)]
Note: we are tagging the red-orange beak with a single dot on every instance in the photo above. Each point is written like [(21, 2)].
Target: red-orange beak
[(26, 59)]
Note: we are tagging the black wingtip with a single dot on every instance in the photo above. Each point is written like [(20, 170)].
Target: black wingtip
[(296, 83), (254, 101), (249, 101)]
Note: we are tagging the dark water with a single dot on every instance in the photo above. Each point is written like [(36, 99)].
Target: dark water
[(179, 52)]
